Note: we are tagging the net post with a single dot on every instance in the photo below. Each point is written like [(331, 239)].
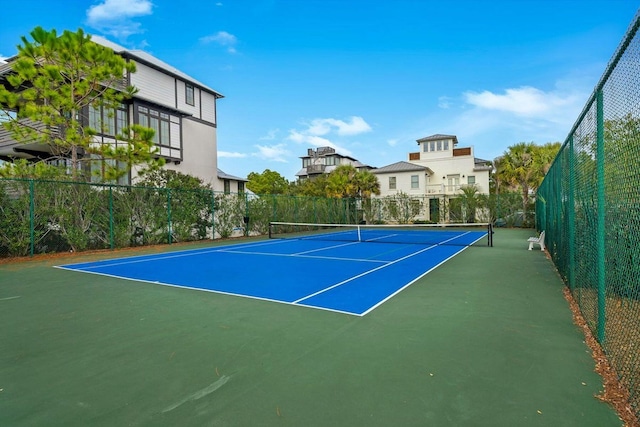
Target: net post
[(270, 234), (490, 234)]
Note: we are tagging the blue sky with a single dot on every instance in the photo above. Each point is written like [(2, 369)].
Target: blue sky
[(368, 78)]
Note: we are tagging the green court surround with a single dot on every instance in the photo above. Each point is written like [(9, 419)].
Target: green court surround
[(486, 339)]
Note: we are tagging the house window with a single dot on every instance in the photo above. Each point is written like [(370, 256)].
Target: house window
[(240, 187), (433, 146), (446, 145), (158, 121), (306, 162), (98, 168), (471, 179), (189, 94), (330, 161), (415, 183), (7, 116), (227, 186), (108, 121), (392, 183), (425, 147), (439, 145)]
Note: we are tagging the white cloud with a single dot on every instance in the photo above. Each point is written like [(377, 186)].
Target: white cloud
[(319, 132), (355, 126), (316, 141), (392, 142), (3, 59), (223, 39), (492, 121), (271, 135), (444, 102), (118, 9), (115, 16), (232, 155), (525, 101), (276, 153)]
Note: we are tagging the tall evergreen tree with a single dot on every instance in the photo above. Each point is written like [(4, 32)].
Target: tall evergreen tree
[(54, 81)]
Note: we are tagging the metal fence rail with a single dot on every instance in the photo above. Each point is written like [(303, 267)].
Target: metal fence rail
[(57, 216), (589, 206), (38, 216)]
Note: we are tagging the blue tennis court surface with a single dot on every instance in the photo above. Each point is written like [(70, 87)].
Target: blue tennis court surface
[(347, 277)]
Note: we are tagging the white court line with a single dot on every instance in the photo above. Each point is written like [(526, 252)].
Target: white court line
[(306, 256), (328, 247), (381, 237), (412, 282), (193, 288), (363, 274), (178, 254), (370, 271)]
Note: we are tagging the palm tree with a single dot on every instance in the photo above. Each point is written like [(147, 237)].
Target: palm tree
[(517, 168), (341, 182), (367, 184), (523, 166), (347, 181), (469, 202)]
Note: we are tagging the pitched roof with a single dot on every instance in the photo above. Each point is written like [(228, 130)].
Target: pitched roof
[(437, 137), (223, 175), (402, 167), (151, 60), (140, 55)]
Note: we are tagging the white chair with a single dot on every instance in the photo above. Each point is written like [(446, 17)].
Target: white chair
[(537, 241)]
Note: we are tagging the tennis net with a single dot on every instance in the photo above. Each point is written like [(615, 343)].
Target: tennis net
[(480, 234)]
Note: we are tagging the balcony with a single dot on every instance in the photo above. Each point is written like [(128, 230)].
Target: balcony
[(315, 169), (443, 189)]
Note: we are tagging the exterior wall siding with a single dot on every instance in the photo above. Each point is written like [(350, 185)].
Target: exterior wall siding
[(208, 107), (154, 85), (182, 105), (199, 152)]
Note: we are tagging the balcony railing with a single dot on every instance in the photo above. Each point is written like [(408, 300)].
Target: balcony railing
[(312, 169), (443, 189)]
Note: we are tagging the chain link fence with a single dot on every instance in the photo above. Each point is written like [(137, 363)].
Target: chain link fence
[(38, 217), (589, 206)]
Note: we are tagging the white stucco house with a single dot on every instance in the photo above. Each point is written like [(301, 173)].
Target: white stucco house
[(436, 172), (438, 168)]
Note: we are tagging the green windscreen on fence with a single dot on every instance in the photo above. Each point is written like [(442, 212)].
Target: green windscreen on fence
[(589, 206), (38, 216)]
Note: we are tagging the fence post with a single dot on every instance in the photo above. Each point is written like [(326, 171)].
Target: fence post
[(246, 214), (31, 217), (601, 217), (213, 215), (572, 216), (273, 210), (169, 215), (111, 233)]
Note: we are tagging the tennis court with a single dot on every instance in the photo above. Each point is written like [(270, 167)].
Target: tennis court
[(486, 339), (347, 269)]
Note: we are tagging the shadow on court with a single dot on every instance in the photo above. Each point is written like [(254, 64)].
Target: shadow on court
[(486, 339)]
